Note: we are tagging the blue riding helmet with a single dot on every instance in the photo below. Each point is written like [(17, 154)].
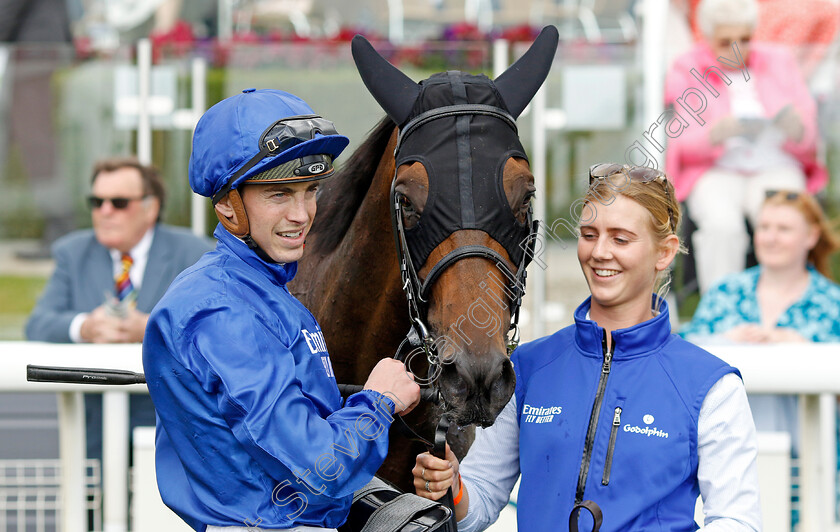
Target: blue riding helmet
[(264, 136)]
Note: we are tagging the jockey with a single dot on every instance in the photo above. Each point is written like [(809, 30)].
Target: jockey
[(251, 431)]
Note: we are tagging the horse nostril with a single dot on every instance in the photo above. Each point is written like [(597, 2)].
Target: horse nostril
[(459, 388), (476, 393), (453, 384)]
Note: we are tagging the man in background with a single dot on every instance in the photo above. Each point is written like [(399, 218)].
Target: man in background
[(107, 279)]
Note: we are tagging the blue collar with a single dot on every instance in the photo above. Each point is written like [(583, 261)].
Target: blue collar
[(639, 340), (277, 273)]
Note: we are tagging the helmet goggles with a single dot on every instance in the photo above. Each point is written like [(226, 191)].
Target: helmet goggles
[(281, 136), (294, 130)]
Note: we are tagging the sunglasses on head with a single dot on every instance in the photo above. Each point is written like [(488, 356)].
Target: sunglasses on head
[(787, 194), (636, 174), (95, 202), (279, 137)]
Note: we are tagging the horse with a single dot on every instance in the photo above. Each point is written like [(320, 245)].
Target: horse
[(426, 228)]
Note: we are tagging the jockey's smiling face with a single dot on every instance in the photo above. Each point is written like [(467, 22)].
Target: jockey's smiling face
[(280, 216)]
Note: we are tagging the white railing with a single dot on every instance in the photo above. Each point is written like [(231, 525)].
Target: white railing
[(813, 372), (809, 370), (14, 356)]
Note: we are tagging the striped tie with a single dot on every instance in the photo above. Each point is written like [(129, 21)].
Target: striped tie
[(123, 281)]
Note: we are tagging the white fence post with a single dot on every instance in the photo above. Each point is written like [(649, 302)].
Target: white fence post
[(198, 214), (71, 433), (144, 125), (115, 414)]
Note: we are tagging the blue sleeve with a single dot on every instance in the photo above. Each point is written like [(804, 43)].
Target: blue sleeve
[(260, 393)]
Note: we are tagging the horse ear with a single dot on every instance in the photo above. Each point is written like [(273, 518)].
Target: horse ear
[(394, 91), (521, 80)]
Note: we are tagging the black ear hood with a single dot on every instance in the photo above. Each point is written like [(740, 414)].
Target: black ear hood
[(462, 128), (396, 92)]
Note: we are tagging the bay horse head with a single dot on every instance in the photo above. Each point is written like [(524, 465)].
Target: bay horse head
[(461, 211)]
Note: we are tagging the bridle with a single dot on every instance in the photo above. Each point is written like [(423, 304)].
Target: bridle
[(416, 292)]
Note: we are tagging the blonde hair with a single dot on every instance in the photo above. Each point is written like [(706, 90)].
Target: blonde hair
[(828, 242), (658, 198)]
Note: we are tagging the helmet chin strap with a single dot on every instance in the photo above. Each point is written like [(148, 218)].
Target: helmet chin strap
[(241, 229)]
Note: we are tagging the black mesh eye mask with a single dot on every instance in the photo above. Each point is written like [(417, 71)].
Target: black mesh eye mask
[(462, 129), (463, 146)]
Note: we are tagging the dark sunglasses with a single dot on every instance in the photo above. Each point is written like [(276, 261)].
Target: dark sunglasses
[(279, 137), (787, 194), (95, 202), (637, 174)]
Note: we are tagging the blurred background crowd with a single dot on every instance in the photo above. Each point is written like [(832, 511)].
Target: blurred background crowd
[(739, 103)]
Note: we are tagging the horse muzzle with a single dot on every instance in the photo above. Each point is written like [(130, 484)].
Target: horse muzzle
[(475, 389)]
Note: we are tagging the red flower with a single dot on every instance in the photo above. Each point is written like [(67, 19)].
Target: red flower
[(178, 40)]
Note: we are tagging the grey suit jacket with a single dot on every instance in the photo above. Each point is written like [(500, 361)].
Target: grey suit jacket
[(84, 275)]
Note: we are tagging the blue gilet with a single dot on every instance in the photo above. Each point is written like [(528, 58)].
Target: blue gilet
[(616, 428)]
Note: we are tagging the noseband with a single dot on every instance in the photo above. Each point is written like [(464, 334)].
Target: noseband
[(417, 292)]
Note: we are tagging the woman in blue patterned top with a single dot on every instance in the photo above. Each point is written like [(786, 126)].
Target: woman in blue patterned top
[(790, 296)]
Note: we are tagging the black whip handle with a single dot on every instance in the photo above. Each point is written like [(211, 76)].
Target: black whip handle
[(82, 375), (118, 376)]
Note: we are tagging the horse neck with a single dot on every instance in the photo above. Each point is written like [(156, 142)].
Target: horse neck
[(368, 246), (363, 293)]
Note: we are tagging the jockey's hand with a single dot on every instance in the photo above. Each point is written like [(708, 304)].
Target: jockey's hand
[(390, 378), (440, 474)]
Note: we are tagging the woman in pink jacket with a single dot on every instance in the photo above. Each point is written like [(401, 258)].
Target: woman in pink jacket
[(743, 123)]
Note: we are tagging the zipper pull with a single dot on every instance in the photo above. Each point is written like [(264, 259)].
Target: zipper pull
[(607, 361), (617, 417), (608, 353)]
